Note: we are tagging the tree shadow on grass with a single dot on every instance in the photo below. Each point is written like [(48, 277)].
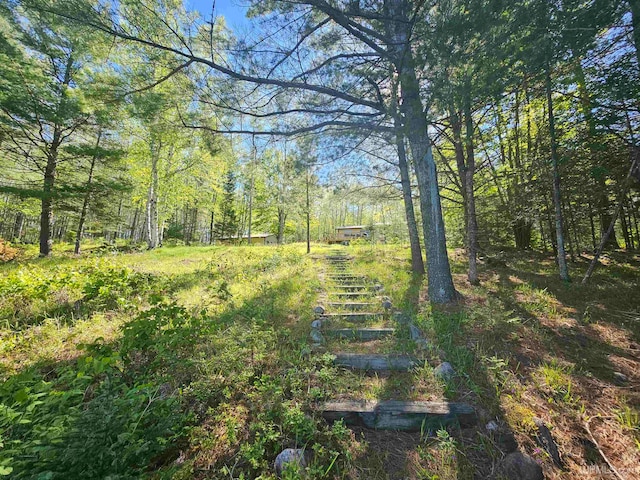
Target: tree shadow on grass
[(577, 342), (268, 309)]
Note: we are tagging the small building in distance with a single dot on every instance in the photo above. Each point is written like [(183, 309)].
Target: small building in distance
[(345, 234), (256, 239)]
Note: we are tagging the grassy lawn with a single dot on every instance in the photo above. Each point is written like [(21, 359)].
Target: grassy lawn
[(194, 362)]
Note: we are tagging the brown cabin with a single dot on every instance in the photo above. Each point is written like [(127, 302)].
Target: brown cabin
[(345, 234)]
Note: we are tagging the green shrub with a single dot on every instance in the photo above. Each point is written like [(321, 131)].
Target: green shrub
[(31, 294)]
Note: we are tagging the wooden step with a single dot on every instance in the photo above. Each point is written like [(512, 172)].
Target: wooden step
[(376, 362), (351, 305), (351, 294), (347, 283), (350, 287), (362, 334), (354, 317), (399, 415)]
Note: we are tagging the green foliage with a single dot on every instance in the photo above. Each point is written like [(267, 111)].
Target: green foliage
[(87, 422), (161, 340), (28, 295)]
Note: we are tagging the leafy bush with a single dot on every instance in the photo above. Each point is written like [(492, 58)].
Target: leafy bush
[(163, 340), (109, 414), (30, 294), (87, 423)]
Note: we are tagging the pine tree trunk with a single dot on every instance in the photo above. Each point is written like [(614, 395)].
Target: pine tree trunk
[(557, 200), (417, 264), (46, 212), (440, 282)]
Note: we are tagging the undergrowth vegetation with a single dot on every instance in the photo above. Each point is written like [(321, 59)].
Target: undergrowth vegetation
[(193, 362), (179, 363)]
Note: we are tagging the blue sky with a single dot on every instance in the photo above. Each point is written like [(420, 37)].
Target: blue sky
[(233, 10)]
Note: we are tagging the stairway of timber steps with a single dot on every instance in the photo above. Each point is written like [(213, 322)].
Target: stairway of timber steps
[(355, 323)]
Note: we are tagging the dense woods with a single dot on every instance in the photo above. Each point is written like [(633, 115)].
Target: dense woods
[(146, 122)]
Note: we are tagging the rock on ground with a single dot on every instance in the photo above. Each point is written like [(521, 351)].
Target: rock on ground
[(518, 466), (289, 456), (445, 371)]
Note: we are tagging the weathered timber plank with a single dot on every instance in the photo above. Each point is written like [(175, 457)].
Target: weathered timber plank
[(399, 415), (351, 294), (375, 362), (350, 287), (352, 317), (351, 305), (362, 334)]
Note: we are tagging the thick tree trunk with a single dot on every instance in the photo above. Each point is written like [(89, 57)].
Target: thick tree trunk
[(440, 282), (557, 200), (417, 264)]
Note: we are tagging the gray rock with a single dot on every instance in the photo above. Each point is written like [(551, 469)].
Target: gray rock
[(378, 288), (316, 324), (620, 378), (386, 304), (293, 456), (415, 332), (444, 371), (492, 426), (518, 466), (318, 309), (316, 336)]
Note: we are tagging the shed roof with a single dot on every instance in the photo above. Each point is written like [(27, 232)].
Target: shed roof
[(352, 226)]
